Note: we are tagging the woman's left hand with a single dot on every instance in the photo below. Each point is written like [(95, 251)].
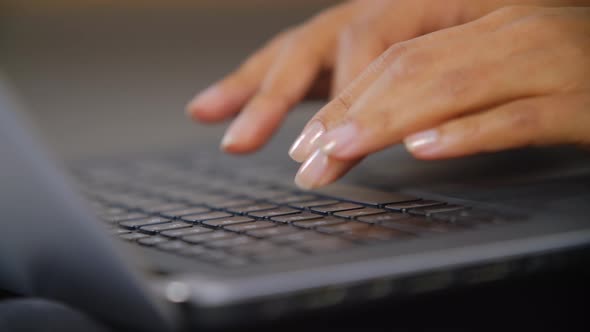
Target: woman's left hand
[(517, 77)]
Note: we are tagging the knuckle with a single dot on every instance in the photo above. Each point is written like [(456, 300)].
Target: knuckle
[(472, 129), (344, 100), (458, 83), (407, 63), (383, 62), (525, 118), (265, 101)]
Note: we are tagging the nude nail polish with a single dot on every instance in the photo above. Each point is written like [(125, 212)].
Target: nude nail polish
[(339, 140), (422, 141), (312, 171), (305, 144)]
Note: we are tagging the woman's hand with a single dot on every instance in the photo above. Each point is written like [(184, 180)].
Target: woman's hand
[(519, 76), (320, 58)]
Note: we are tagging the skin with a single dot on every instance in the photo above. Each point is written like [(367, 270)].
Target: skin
[(448, 78)]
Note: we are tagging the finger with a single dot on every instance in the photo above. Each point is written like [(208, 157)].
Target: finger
[(358, 45), (226, 97), (320, 170), (305, 144), (526, 122), (307, 51), (286, 83), (424, 87)]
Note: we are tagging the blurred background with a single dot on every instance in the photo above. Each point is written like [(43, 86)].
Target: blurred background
[(104, 76)]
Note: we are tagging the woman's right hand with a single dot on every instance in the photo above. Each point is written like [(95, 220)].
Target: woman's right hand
[(320, 57)]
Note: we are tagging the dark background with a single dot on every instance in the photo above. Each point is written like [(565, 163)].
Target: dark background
[(115, 75)]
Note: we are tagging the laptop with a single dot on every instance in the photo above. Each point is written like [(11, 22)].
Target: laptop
[(186, 239)]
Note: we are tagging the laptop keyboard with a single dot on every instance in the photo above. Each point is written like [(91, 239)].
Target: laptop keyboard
[(227, 218)]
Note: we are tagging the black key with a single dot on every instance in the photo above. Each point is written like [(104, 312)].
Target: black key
[(185, 212), (348, 226), (152, 240), (126, 216), (159, 208), (252, 208), (281, 211), (234, 203), (230, 242), (186, 231), (133, 224), (227, 221), (323, 245), (249, 226), (206, 216), (273, 231), (403, 207), (293, 198), (335, 207), (429, 211), (382, 217), (296, 217), (203, 198), (153, 229), (204, 237), (421, 225), (308, 204), (358, 213), (313, 223), (173, 245), (141, 204), (266, 194), (133, 236)]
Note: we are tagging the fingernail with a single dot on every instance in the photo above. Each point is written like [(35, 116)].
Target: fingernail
[(311, 172), (232, 133), (227, 140), (207, 99), (305, 144), (339, 140), (423, 142)]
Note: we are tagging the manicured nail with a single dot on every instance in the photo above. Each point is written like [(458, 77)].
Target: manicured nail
[(311, 173), (305, 144), (423, 142), (232, 134), (339, 140), (227, 140), (208, 99)]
